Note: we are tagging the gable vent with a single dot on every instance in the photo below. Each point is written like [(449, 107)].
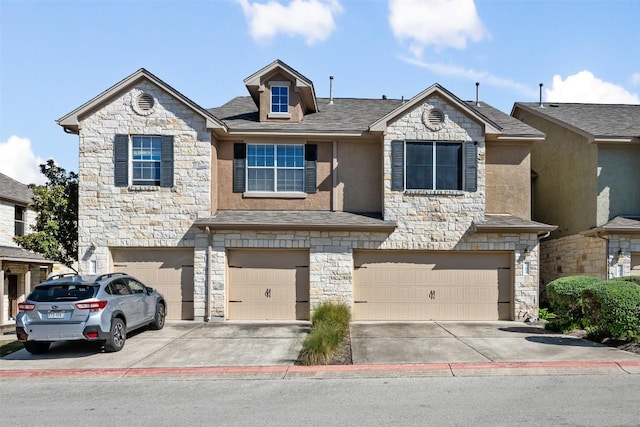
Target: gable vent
[(145, 102), (436, 117)]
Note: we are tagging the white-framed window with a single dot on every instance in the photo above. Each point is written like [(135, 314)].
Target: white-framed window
[(279, 98), (19, 220), (432, 165), (275, 168), (146, 154)]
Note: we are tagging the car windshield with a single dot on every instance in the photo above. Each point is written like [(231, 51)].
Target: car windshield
[(63, 292)]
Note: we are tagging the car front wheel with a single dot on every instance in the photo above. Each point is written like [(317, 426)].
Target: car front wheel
[(161, 313), (36, 347), (117, 336)]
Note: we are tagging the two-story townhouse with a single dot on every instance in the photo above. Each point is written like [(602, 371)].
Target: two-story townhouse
[(20, 270), (588, 183), (274, 202)]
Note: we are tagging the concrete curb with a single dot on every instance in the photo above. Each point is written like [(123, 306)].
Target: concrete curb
[(341, 371)]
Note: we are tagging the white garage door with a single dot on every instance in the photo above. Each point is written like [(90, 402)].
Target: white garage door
[(170, 271), (268, 285), (432, 285)]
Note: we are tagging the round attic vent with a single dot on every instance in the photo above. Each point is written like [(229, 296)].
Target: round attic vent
[(145, 102), (433, 119)]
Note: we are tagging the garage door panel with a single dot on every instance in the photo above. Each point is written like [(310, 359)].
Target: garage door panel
[(404, 285), (268, 285), (635, 263), (170, 271)]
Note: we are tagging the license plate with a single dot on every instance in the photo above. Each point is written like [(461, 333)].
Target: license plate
[(55, 315)]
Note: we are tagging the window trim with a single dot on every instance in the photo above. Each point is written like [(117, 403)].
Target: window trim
[(275, 193), (279, 114), (434, 165), (22, 221)]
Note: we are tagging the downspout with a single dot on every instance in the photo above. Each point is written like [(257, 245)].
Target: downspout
[(207, 287), (334, 176), (606, 261)]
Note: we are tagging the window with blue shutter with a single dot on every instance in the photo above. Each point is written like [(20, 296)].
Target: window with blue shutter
[(151, 162)]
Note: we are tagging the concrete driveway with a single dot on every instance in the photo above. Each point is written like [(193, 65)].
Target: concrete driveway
[(470, 342), (178, 345)]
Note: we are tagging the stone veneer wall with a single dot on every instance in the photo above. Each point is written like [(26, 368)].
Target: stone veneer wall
[(572, 256), (619, 258), (427, 220), (141, 216), (7, 222)]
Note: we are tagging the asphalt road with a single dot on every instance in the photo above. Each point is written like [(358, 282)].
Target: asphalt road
[(479, 401)]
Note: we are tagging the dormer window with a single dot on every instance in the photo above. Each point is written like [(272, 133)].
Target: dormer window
[(279, 99)]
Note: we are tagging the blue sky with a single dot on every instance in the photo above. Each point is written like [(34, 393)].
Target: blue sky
[(56, 55)]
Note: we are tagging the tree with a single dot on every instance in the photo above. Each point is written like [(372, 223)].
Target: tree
[(55, 233)]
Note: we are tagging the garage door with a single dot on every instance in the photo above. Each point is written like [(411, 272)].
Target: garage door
[(268, 285), (170, 271), (432, 286), (635, 263)]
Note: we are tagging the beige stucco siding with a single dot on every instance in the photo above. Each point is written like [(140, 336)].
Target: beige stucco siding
[(227, 199), (564, 193), (618, 181), (508, 179), (360, 176), (295, 108)]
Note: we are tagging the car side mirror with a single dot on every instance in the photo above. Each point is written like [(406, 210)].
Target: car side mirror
[(149, 290)]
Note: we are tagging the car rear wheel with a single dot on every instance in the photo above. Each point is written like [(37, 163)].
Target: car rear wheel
[(36, 347), (161, 313), (117, 336)]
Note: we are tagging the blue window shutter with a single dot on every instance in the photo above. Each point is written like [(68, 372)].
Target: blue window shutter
[(166, 161), (471, 166), (239, 164), (310, 168), (397, 165), (121, 160)]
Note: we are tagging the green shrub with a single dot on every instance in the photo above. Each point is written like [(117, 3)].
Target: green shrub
[(330, 324), (612, 310), (565, 301), (545, 314), (633, 279)]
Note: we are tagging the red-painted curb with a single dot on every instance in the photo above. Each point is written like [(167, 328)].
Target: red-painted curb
[(284, 370)]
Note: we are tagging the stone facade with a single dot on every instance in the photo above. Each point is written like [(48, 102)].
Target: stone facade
[(621, 246), (7, 222), (140, 216), (573, 256)]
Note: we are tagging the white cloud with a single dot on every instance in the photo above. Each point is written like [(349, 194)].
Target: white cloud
[(438, 23), (18, 161), (585, 87), (635, 79), (484, 77), (311, 19)]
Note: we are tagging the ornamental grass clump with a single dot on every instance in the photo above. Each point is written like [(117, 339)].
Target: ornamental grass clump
[(329, 327)]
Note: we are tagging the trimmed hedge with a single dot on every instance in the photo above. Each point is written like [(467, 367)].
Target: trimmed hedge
[(612, 310), (606, 309), (564, 298)]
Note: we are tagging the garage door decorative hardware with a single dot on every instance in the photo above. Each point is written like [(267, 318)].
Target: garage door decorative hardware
[(235, 301), (267, 293), (301, 301), (360, 302), (432, 295)]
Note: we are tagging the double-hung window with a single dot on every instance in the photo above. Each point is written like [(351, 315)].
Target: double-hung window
[(279, 99), (143, 160), (434, 166), (146, 154), (275, 168), (19, 217)]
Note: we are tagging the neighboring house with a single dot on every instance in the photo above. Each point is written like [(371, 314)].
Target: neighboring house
[(274, 202), (20, 269), (588, 183)]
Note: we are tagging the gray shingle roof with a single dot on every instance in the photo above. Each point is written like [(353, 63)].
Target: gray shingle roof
[(618, 225), (15, 191), (506, 223), (294, 220), (10, 253), (599, 120), (346, 115), (510, 126)]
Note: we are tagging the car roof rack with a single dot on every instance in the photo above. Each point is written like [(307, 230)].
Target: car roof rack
[(61, 275), (107, 275)]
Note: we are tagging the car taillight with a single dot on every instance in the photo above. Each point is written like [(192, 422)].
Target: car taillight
[(25, 306), (92, 305)]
